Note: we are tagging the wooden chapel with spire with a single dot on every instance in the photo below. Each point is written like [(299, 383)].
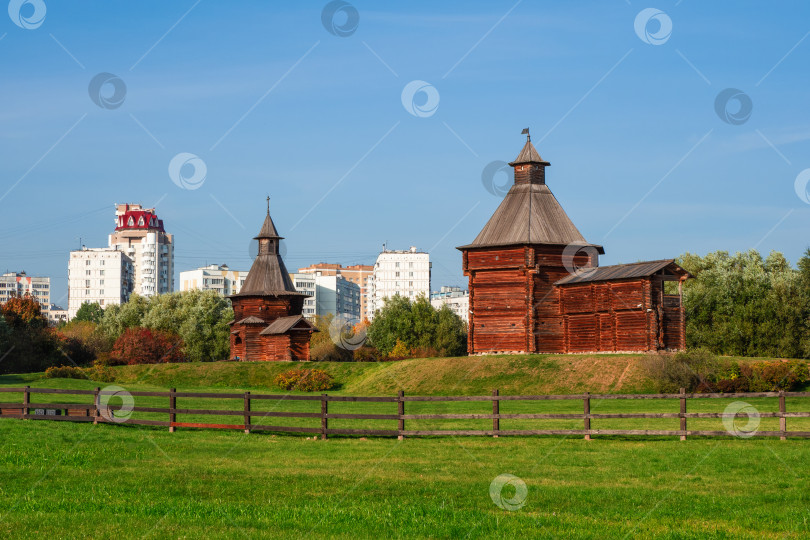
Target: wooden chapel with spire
[(268, 323), (536, 285)]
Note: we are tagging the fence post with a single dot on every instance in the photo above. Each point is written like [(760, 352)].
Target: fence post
[(782, 419), (172, 408), (324, 412), (247, 412), (401, 413), (26, 401), (96, 405), (496, 410), (587, 415), (683, 413)]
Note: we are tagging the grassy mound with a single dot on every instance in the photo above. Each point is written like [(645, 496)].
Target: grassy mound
[(511, 374)]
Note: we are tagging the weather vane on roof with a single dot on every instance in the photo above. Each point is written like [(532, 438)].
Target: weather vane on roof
[(526, 132), (268, 205)]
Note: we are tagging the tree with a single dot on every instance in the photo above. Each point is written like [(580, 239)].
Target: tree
[(90, 312), (419, 327), (25, 311), (322, 348), (26, 343), (744, 305), (200, 318), (89, 334), (145, 346)]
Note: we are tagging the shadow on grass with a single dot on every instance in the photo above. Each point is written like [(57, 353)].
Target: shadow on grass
[(17, 378)]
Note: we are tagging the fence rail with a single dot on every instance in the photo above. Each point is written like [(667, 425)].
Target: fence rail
[(98, 412)]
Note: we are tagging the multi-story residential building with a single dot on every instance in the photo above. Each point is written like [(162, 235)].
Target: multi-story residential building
[(456, 298), (406, 273), (56, 314), (102, 276), (19, 284), (141, 236), (328, 294), (360, 274), (305, 283), (213, 277)]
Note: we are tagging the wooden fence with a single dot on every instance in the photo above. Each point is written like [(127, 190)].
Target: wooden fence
[(97, 412)]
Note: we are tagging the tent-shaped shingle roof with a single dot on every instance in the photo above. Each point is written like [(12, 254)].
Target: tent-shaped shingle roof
[(268, 276), (529, 214)]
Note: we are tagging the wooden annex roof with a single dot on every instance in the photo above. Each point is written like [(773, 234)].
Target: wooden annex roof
[(283, 324), (624, 271), (529, 214)]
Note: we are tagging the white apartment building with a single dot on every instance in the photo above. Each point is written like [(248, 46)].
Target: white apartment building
[(328, 294), (98, 275), (19, 284), (56, 314), (456, 298), (213, 277), (406, 273), (141, 236), (305, 283)]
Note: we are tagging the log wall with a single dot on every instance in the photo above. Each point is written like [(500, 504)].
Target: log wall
[(515, 306), (249, 346)]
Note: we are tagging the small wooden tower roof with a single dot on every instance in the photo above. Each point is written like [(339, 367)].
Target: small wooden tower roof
[(268, 276), (268, 227), (529, 154), (529, 213)]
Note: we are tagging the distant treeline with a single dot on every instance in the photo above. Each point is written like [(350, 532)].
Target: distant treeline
[(745, 305)]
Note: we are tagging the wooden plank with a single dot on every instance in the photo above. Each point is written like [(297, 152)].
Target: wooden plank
[(285, 396), (58, 418), (172, 405), (362, 416), (782, 419), (26, 400), (212, 426), (65, 406), (379, 399), (60, 391), (200, 395), (284, 414), (376, 432), (401, 413), (324, 417), (139, 422), (586, 401), (214, 412), (246, 412), (293, 429), (496, 411)]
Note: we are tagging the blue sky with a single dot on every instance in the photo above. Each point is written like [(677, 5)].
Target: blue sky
[(273, 103)]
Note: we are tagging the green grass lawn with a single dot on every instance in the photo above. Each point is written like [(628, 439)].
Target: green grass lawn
[(78, 481)]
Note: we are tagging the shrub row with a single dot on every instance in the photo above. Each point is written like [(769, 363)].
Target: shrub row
[(700, 371), (305, 380)]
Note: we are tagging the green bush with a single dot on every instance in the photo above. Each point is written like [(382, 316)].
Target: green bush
[(97, 372), (305, 380), (685, 369), (366, 354), (65, 372), (700, 371)]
